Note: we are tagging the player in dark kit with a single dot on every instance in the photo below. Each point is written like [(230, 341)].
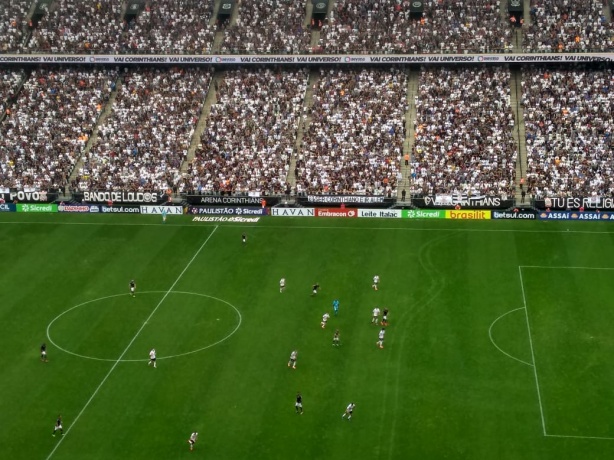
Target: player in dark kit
[(314, 289), (44, 352), (243, 238), (58, 426), (298, 405), (132, 288), (385, 317)]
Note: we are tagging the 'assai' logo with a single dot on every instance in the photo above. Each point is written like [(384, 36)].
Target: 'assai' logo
[(416, 4), (320, 6), (226, 6), (515, 3)]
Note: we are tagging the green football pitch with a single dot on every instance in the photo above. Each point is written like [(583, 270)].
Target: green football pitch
[(500, 342)]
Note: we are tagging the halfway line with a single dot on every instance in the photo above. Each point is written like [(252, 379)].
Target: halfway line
[(526, 312), (130, 344)]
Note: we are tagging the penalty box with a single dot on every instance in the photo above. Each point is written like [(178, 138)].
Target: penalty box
[(571, 325)]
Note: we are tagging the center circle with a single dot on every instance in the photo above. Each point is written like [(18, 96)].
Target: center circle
[(219, 319)]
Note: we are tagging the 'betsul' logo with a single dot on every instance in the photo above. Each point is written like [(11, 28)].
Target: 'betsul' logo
[(416, 4), (321, 5), (515, 2), (226, 6)]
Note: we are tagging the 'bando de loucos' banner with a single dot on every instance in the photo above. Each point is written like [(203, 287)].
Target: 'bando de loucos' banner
[(29, 197), (462, 199), (576, 215), (231, 200), (105, 196), (348, 200), (302, 58), (227, 211), (588, 203)]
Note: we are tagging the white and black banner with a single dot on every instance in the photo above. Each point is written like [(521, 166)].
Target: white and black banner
[(576, 203), (345, 199), (304, 58), (231, 200), (105, 196), (416, 6), (515, 6), (463, 200), (28, 197)]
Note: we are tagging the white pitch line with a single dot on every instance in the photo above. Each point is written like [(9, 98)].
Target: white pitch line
[(526, 312), (497, 346), (578, 437), (129, 345), (159, 358), (567, 268), (331, 227)]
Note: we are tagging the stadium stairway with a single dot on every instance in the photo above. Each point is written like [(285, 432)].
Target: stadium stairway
[(410, 132), (124, 9), (202, 121), (308, 13), (519, 131), (315, 32), (106, 111), (527, 13), (219, 34), (302, 124), (25, 74)]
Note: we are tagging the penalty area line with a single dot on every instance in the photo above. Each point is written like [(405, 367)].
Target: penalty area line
[(130, 344)]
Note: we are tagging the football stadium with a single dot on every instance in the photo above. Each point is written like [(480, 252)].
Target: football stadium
[(330, 229)]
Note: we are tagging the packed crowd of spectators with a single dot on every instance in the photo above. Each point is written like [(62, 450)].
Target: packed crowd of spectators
[(354, 140), (143, 142), (385, 26), (251, 132), (9, 85), (463, 132), (172, 26), (569, 123), (49, 125), (13, 24), (75, 26), (268, 26), (568, 26)]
